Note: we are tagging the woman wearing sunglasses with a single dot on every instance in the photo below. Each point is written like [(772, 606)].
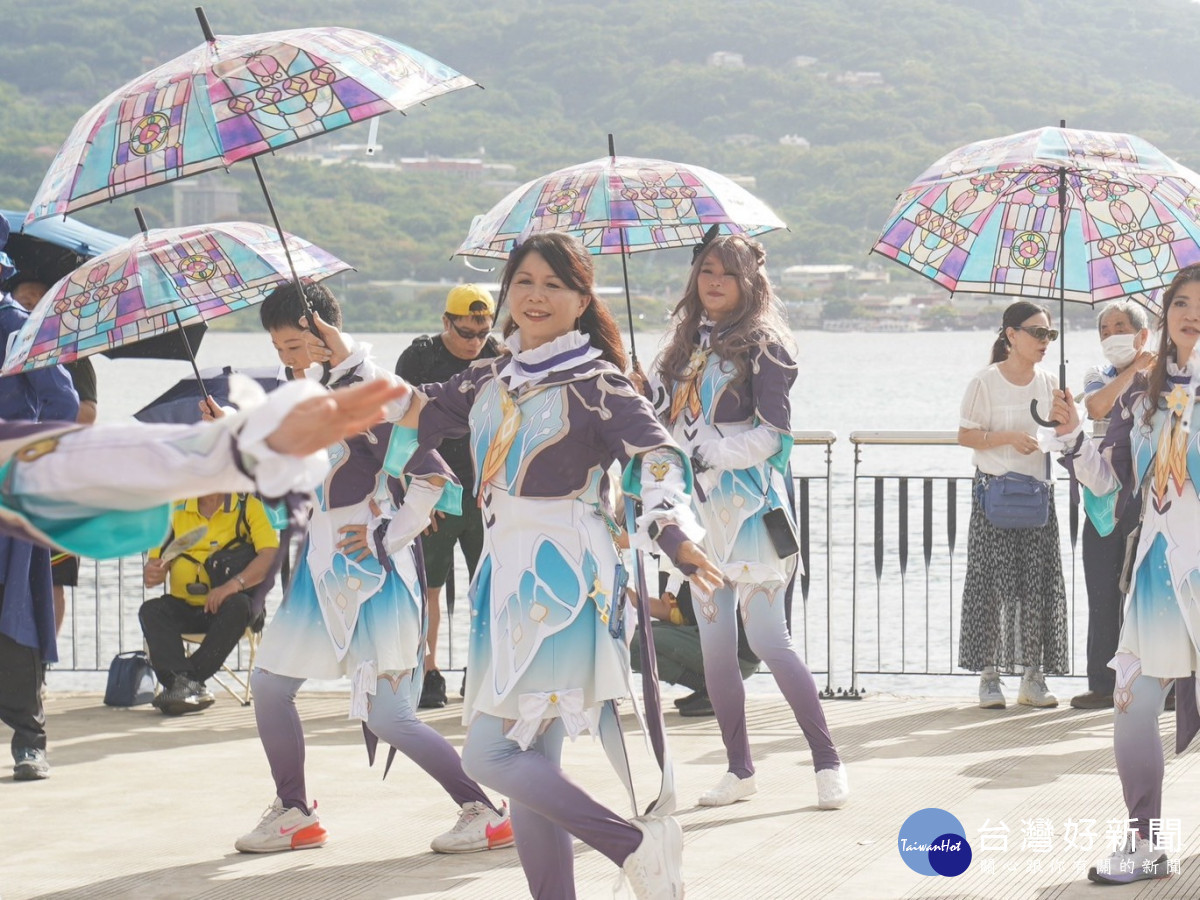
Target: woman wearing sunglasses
[(1014, 608)]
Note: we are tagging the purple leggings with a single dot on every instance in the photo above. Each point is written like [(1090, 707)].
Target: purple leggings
[(1138, 748), (391, 718), (766, 631), (547, 807)]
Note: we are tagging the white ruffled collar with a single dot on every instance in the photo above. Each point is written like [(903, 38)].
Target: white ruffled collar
[(1190, 369), (532, 366)]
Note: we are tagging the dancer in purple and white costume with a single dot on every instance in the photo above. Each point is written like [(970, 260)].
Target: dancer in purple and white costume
[(721, 386), (545, 425), (355, 607), (1150, 449)]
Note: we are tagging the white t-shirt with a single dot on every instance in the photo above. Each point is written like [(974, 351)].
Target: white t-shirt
[(994, 403)]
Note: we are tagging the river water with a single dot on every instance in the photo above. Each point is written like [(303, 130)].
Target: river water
[(848, 382)]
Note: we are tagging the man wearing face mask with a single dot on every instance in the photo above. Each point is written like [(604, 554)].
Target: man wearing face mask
[(1123, 335)]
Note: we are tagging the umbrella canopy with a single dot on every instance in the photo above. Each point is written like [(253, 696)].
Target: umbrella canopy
[(1054, 213), (51, 248), (180, 344), (180, 404), (621, 204), (65, 233), (158, 281), (232, 98)]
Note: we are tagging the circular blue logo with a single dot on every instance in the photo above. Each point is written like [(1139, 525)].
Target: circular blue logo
[(933, 842)]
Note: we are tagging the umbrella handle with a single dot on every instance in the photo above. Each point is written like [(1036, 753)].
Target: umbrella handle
[(1046, 423), (326, 368)]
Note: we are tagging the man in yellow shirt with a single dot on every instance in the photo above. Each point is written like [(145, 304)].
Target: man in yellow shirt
[(194, 604)]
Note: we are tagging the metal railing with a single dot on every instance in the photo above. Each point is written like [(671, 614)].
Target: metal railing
[(102, 612), (883, 531), (101, 618), (804, 473), (905, 524)]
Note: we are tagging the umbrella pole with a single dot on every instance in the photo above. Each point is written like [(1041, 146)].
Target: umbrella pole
[(628, 305), (1062, 277), (191, 356), (312, 324), (612, 153), (1062, 295), (141, 220)]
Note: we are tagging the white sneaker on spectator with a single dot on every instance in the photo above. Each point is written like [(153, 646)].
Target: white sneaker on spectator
[(655, 868), (283, 829), (833, 788), (730, 789), (478, 828), (990, 694), (1033, 691), (1134, 860)]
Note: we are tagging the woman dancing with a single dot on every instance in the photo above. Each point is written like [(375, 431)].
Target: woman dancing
[(354, 607), (1149, 451), (546, 421), (724, 379)]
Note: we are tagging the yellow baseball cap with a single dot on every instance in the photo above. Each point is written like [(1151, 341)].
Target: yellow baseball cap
[(470, 300)]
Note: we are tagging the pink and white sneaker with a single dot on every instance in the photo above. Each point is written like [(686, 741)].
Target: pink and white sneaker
[(478, 828), (283, 828)]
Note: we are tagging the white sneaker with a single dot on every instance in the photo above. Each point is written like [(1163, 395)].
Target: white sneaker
[(730, 789), (833, 788), (655, 868), (990, 695), (478, 828), (1033, 691), (283, 829), (1133, 861)]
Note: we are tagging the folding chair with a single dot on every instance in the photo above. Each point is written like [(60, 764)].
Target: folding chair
[(253, 636)]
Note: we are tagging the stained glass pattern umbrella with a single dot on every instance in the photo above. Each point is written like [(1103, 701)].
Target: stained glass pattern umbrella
[(50, 248), (621, 204), (1053, 213), (233, 98), (159, 281)]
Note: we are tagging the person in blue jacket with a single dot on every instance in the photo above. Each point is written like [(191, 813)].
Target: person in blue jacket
[(27, 639)]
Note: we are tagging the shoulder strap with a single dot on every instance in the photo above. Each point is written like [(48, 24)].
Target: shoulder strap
[(243, 522)]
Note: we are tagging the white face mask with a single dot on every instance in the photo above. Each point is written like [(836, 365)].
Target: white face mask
[(1119, 349)]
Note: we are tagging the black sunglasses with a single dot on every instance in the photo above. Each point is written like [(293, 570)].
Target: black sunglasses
[(1038, 333), (467, 335)]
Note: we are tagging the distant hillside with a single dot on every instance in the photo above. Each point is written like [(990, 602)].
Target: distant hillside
[(866, 93)]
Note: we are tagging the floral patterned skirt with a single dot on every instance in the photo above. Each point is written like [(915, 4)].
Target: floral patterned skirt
[(1014, 605)]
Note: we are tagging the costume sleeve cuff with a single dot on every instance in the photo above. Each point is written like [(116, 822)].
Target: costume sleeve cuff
[(1050, 442), (740, 451), (277, 473), (413, 515)]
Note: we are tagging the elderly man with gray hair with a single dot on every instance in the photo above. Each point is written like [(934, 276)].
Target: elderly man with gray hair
[(1123, 327)]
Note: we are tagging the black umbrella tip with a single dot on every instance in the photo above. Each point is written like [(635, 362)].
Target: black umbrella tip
[(204, 26)]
